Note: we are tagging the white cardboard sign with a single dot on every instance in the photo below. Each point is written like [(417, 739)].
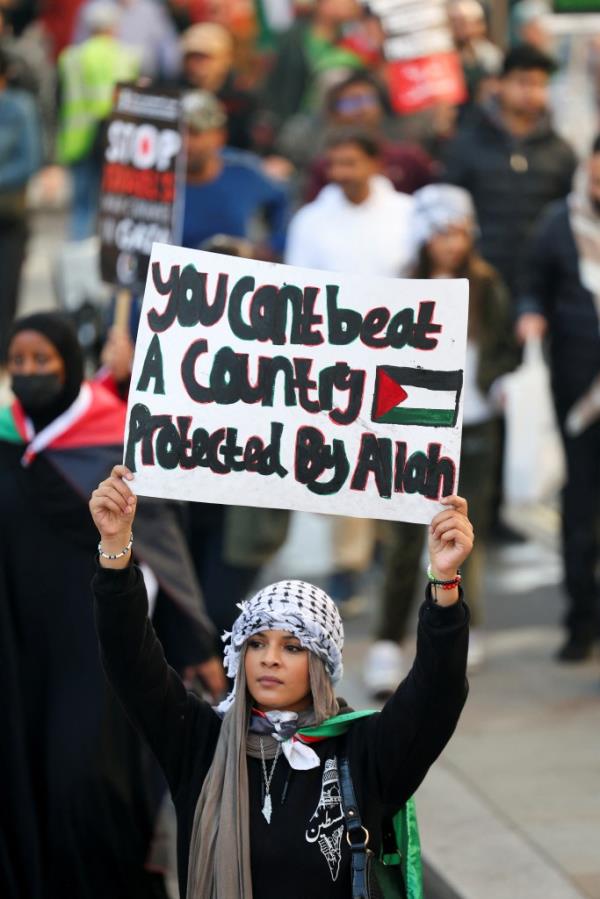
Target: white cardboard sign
[(261, 384)]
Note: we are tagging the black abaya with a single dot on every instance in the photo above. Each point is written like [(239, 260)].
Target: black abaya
[(81, 791)]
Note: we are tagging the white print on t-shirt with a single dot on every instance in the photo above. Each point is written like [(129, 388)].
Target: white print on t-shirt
[(328, 813)]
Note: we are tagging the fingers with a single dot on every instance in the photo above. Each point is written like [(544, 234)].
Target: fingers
[(458, 511), (458, 503), (456, 536), (445, 521), (115, 496), (108, 504), (121, 471)]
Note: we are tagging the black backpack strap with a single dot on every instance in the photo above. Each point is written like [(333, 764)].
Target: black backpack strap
[(356, 834)]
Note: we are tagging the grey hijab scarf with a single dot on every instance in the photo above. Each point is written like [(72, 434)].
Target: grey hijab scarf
[(219, 861)]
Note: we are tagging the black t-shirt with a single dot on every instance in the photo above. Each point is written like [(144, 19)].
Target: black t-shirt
[(303, 851)]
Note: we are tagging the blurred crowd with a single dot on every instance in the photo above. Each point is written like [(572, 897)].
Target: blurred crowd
[(294, 152)]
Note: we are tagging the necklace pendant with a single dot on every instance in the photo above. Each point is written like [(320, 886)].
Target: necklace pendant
[(267, 808)]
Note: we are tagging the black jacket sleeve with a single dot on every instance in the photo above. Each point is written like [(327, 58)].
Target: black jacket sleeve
[(419, 719), (456, 161), (541, 275), (177, 725)]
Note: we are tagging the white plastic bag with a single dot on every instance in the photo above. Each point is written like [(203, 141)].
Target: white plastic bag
[(534, 464)]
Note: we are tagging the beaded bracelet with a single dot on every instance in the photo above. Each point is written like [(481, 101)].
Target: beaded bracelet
[(445, 585), (113, 556)]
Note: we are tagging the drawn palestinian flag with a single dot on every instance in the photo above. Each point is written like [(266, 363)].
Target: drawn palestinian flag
[(416, 396)]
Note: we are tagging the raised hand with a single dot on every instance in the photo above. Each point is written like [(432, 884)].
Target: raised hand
[(450, 539), (113, 506)]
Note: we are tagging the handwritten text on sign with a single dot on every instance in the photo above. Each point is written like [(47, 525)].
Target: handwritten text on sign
[(264, 385)]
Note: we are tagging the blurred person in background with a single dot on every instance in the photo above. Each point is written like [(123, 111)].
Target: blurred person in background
[(20, 158), (207, 64), (20, 72), (146, 26), (88, 73), (529, 25), (310, 58), (81, 797), (358, 223), (511, 160), (31, 68), (19, 13), (513, 163), (480, 58), (227, 191), (360, 101), (58, 18), (444, 229), (561, 296)]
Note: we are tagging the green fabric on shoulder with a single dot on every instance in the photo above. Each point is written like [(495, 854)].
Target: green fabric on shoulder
[(406, 827), (8, 428), (336, 726)]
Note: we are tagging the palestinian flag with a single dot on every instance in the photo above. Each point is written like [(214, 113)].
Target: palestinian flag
[(416, 396), (83, 443)]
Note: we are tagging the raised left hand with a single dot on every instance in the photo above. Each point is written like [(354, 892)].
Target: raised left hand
[(450, 538)]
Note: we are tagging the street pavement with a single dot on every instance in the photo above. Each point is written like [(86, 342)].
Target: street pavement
[(512, 809)]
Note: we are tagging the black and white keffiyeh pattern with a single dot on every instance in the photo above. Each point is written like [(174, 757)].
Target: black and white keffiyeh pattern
[(436, 208), (300, 608)]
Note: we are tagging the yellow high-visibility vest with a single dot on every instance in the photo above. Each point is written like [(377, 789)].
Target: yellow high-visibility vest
[(88, 73)]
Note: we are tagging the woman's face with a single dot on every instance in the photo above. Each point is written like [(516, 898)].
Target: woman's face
[(277, 672), (449, 249), (30, 353)]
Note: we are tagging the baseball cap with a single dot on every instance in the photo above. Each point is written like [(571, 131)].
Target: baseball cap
[(207, 37), (101, 15)]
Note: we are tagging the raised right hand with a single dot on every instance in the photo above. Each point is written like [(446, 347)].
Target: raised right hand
[(113, 507)]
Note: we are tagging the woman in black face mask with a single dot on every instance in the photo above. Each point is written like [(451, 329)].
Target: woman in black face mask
[(80, 795), (46, 366)]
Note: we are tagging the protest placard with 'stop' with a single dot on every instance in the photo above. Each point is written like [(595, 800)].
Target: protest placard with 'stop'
[(261, 384)]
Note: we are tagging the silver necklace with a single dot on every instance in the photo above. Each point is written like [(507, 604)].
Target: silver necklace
[(267, 808)]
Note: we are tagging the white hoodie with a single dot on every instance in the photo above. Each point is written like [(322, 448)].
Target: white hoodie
[(366, 238)]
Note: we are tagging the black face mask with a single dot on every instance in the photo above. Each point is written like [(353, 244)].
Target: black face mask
[(36, 392)]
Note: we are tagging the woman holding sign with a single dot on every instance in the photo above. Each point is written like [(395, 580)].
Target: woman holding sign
[(257, 780)]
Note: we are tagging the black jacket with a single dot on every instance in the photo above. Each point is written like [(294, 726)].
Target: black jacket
[(552, 287), (389, 752), (511, 181)]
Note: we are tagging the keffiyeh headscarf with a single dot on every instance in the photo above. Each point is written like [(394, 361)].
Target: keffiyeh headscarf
[(303, 610), (219, 861), (438, 207)]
